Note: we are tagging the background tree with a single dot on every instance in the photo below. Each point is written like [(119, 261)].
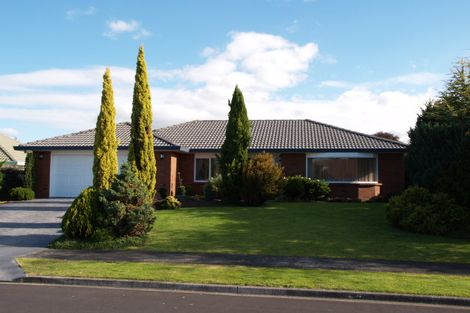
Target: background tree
[(234, 155), (141, 149), (386, 135), (105, 163), (438, 157)]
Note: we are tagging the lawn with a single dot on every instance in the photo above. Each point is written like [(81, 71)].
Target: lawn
[(421, 284), (343, 230)]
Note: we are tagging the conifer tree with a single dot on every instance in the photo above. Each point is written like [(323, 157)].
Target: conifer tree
[(105, 163), (234, 155), (141, 149)]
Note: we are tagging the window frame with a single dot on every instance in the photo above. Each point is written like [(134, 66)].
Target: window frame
[(345, 155), (198, 156)]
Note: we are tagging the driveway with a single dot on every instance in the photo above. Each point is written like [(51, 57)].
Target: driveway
[(26, 227)]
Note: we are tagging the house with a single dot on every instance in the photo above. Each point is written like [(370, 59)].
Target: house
[(8, 154), (356, 165)]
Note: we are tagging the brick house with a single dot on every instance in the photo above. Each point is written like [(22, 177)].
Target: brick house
[(356, 165)]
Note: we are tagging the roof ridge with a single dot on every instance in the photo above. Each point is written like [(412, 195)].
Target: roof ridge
[(357, 133), (68, 135)]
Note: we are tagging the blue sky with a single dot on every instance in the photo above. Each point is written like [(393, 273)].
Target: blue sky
[(363, 65)]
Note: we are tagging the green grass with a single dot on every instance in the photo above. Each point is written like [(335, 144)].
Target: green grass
[(343, 230), (421, 284)]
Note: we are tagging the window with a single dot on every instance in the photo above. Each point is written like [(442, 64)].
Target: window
[(353, 168), (205, 167)]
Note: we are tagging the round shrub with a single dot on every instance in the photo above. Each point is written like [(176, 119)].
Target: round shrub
[(79, 221), (127, 205), (169, 203), (315, 189), (421, 211), (262, 179), (294, 187), (21, 193)]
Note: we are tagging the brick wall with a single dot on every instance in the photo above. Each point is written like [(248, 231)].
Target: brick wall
[(43, 172), (391, 173), (293, 163)]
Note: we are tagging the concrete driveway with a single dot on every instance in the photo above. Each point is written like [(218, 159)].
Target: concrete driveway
[(26, 227)]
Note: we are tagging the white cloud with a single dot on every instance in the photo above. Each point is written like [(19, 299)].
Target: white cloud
[(261, 64), (10, 132), (72, 14), (118, 27)]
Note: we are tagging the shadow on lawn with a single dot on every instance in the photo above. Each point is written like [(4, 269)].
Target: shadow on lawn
[(348, 230)]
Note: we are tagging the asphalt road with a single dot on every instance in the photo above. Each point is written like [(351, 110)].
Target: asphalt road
[(26, 227), (27, 298)]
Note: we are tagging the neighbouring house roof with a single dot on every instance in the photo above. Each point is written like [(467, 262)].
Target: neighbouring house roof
[(208, 136), (277, 135), (7, 152), (85, 140)]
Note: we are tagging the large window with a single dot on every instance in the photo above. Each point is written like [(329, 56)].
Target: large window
[(343, 168), (205, 167)]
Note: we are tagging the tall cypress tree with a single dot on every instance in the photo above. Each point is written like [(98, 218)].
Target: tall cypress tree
[(141, 149), (234, 155), (105, 163)]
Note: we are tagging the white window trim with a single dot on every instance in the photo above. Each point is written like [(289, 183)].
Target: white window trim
[(345, 155), (203, 156)]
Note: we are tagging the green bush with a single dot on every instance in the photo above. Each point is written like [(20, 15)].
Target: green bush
[(1, 174), (12, 178), (79, 221), (212, 188), (169, 203), (180, 188), (189, 190), (21, 193), (127, 205), (421, 211), (304, 188), (315, 189), (262, 179), (294, 187)]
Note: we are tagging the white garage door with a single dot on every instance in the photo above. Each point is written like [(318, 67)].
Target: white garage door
[(72, 172)]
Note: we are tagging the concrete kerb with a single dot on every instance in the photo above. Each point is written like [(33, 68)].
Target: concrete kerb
[(248, 290)]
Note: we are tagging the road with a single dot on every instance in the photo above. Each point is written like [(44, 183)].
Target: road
[(27, 298), (26, 227)]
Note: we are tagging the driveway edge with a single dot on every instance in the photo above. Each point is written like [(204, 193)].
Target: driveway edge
[(248, 290)]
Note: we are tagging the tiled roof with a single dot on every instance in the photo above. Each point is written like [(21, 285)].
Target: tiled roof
[(208, 135), (84, 140), (7, 152), (306, 135)]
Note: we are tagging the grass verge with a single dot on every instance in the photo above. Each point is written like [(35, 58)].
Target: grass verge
[(404, 283), (323, 229)]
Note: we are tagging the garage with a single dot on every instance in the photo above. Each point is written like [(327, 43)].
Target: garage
[(72, 171)]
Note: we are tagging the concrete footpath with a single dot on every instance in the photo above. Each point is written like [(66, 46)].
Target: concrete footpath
[(256, 260)]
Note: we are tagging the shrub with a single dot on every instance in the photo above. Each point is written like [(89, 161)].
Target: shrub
[(315, 189), (127, 205), (304, 188), (21, 193), (421, 211), (294, 187), (1, 174), (262, 179), (169, 203), (212, 188), (80, 219), (12, 178)]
